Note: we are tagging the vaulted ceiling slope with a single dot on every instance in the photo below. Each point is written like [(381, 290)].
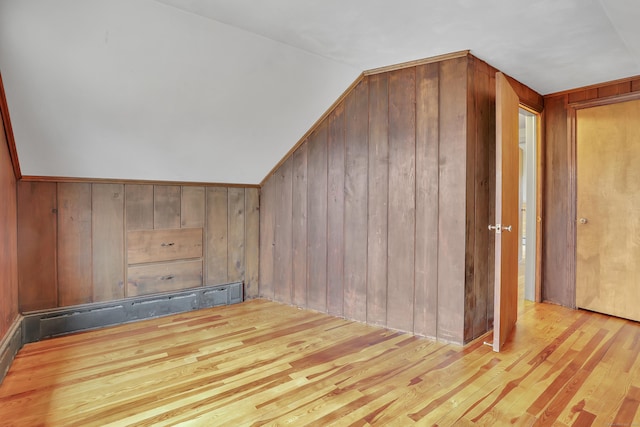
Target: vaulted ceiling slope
[(220, 90)]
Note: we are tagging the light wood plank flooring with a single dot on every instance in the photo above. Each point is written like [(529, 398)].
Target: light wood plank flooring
[(262, 363)]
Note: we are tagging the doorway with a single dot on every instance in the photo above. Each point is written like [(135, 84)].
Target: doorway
[(608, 209), (527, 202)]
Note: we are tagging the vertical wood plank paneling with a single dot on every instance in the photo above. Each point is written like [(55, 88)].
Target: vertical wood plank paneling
[(299, 226), (355, 202), (482, 108), (252, 241), (556, 287), (74, 244), (426, 261), (216, 235), (37, 250), (267, 237), (283, 267), (378, 198), (491, 152), (139, 206), (402, 149), (452, 200), (8, 237), (317, 217), (614, 89), (166, 206), (236, 218), (107, 222), (192, 207), (472, 167), (335, 211)]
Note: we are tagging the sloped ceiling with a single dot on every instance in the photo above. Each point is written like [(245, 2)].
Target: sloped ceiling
[(220, 90)]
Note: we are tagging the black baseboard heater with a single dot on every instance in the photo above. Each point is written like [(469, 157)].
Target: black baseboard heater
[(37, 325)]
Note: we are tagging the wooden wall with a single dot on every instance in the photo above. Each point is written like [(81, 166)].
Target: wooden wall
[(8, 235), (558, 262), (381, 214), (72, 236)]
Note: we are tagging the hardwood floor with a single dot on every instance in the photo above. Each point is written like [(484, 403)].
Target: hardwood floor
[(261, 362)]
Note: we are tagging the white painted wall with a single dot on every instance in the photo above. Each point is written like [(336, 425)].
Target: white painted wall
[(136, 89), (220, 90)]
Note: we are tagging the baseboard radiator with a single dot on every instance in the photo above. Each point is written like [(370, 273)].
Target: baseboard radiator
[(51, 323)]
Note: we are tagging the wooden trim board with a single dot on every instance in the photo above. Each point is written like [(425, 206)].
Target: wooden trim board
[(10, 345), (35, 178)]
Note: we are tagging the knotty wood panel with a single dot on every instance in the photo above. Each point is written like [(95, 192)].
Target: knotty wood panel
[(402, 149), (8, 236), (169, 276), (252, 241), (37, 237), (614, 89), (378, 199), (139, 206), (107, 224), (416, 232), (426, 255), (166, 206), (192, 208), (556, 287), (216, 236), (163, 245), (452, 199), (299, 226), (335, 211), (267, 237), (74, 244), (317, 216), (235, 245), (355, 202), (93, 237), (479, 287), (283, 269)]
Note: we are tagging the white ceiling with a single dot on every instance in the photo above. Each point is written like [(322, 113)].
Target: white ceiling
[(220, 90)]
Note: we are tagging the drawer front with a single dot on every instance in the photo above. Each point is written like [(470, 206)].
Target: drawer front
[(163, 245), (170, 276)]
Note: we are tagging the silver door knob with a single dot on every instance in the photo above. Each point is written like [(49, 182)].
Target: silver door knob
[(583, 220), (506, 228)]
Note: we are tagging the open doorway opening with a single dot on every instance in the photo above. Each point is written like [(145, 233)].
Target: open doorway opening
[(527, 202)]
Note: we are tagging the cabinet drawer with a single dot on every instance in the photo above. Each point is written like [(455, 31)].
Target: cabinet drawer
[(163, 245), (170, 276)]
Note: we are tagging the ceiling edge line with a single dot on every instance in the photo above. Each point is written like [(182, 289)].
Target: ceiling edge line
[(66, 179), (417, 62), (313, 128)]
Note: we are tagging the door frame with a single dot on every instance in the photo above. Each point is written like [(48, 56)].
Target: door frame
[(539, 193), (572, 229)]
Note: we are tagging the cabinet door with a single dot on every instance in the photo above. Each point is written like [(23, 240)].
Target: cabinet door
[(164, 277), (163, 245)]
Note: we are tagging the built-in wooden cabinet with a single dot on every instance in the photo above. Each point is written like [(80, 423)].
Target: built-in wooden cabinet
[(163, 260), (94, 242)]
